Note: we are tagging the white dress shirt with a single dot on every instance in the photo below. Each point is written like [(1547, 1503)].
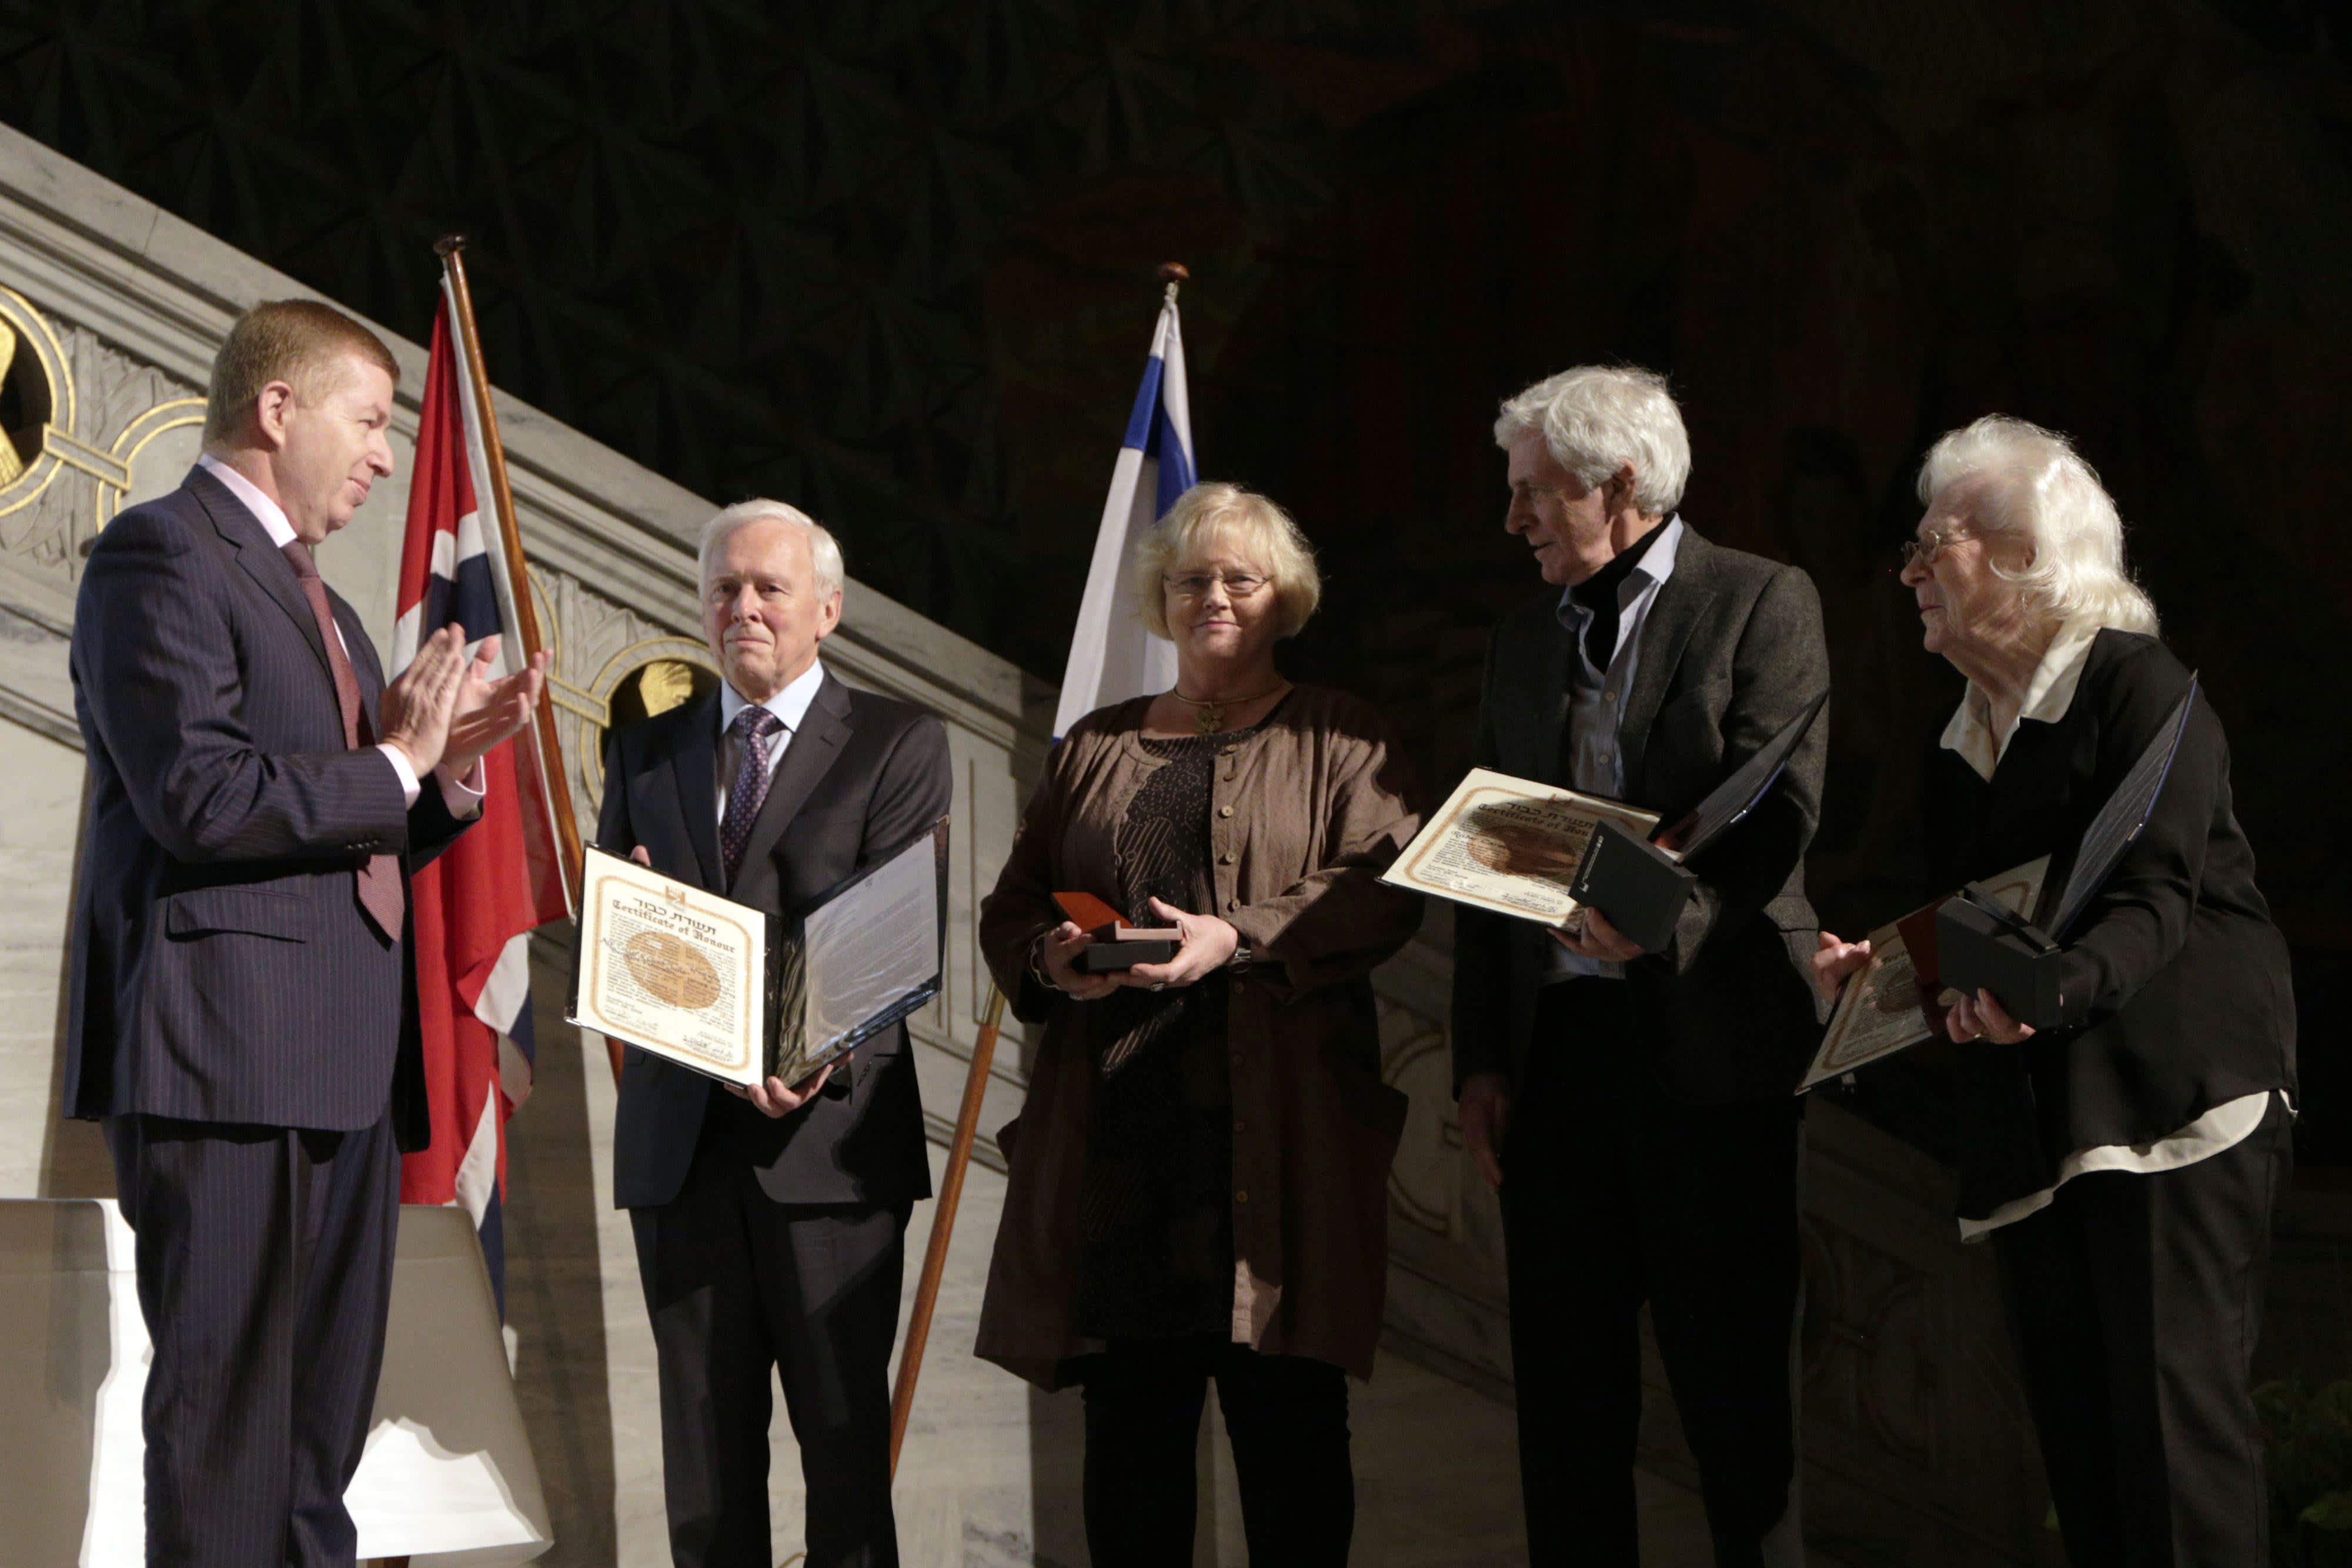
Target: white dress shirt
[(2048, 695), (1596, 700), (462, 796), (791, 706)]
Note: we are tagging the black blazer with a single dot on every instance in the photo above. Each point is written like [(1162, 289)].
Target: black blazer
[(222, 969), (1732, 650), (864, 775), (2192, 1004)]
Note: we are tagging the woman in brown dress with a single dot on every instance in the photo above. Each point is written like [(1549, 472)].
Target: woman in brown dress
[(1199, 1179)]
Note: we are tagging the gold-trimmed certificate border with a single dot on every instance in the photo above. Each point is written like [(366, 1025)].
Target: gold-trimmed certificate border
[(753, 987), (2019, 888), (1475, 786)]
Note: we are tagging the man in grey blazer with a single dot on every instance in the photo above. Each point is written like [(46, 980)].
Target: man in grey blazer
[(242, 1015), (770, 1225), (1636, 1110)]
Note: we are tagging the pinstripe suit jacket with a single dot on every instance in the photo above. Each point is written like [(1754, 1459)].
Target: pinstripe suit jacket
[(223, 970)]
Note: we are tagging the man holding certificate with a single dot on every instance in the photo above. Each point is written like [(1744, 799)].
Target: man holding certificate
[(1635, 1108), (770, 1220)]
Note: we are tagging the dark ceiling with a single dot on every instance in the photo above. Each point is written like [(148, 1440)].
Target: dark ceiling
[(811, 251)]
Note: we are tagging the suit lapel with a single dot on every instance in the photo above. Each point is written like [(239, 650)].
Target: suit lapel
[(694, 771), (1675, 614), (262, 560), (814, 748)]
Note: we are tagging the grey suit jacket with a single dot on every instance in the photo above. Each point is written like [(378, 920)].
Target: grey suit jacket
[(223, 970), (1732, 650), (863, 776)]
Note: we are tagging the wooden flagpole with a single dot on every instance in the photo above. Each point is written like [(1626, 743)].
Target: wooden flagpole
[(935, 1256), (450, 248), (975, 1090)]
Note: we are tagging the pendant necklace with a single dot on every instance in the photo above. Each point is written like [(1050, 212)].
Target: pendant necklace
[(1209, 714)]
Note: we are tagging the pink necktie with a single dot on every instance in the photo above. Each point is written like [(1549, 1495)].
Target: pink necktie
[(379, 880)]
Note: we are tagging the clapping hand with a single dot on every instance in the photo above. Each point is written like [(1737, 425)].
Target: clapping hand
[(487, 711), (416, 708)]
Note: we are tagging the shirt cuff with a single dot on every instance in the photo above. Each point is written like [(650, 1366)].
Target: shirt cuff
[(409, 787), (463, 796)]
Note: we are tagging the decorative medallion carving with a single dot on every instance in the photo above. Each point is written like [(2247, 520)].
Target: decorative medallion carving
[(84, 428), (1425, 1176), (608, 666), (1868, 1364)]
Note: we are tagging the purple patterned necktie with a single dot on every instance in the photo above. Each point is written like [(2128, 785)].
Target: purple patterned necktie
[(752, 729)]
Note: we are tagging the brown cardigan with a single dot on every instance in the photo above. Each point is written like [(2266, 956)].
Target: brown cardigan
[(1308, 812)]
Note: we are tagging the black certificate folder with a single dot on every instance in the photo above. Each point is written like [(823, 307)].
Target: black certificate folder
[(1640, 884), (1983, 946), (1729, 803), (742, 995), (864, 956)]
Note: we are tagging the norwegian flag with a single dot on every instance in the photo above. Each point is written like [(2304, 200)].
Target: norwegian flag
[(476, 904)]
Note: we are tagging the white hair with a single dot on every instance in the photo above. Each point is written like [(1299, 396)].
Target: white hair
[(1596, 419), (824, 551), (2031, 484)]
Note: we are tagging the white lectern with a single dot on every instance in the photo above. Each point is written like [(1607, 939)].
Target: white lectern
[(447, 1479)]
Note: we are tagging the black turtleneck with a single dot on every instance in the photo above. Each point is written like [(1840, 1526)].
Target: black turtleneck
[(1598, 593)]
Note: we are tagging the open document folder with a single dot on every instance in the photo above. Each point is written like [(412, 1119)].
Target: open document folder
[(1896, 1001), (743, 996), (1989, 947), (1511, 846), (1544, 853)]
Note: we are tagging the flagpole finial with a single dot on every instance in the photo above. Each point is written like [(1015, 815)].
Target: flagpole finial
[(448, 245), (1173, 273)]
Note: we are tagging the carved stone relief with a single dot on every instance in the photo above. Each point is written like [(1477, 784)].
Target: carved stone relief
[(1426, 1174), (84, 429), (604, 658), (89, 429), (1868, 1368)]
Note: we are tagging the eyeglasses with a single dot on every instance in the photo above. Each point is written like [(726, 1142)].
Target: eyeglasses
[(1196, 584), (1928, 548)]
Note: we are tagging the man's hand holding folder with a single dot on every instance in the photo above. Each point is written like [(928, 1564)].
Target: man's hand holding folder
[(1633, 888), (775, 1097)]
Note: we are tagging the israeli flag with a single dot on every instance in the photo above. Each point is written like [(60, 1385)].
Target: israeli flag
[(1112, 657)]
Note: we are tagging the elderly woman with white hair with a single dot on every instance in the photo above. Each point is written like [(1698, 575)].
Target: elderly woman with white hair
[(1199, 1180), (2125, 1168)]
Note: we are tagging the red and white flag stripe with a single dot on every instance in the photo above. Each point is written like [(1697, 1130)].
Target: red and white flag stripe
[(476, 904)]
